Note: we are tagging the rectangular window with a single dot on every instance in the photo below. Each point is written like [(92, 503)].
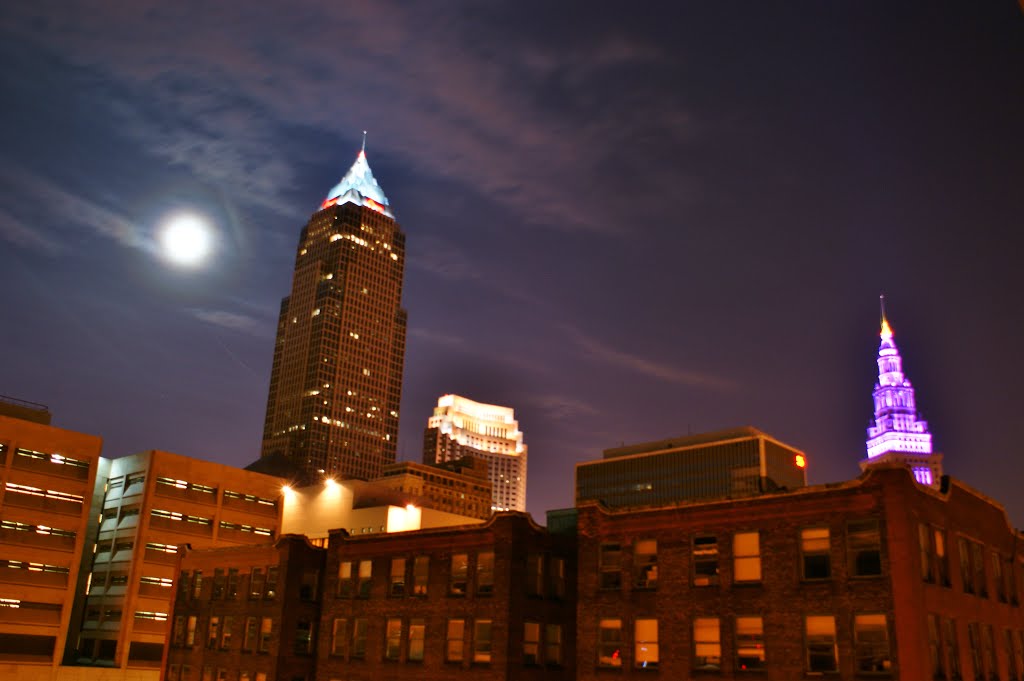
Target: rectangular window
[(749, 643), (951, 646), (393, 639), (534, 574), (271, 588), (988, 650), (309, 588), (553, 644), (820, 638), (609, 643), (183, 585), (266, 630), (365, 578), (482, 641), (557, 570), (338, 636), (358, 638), (190, 631), (232, 587), (212, 632), (420, 575), (397, 580), (417, 638), (924, 542), (746, 557), (197, 584), (974, 643), (645, 564), (936, 661), (645, 651), (707, 643), (249, 637), (864, 542), (304, 637), (531, 643), (705, 561), (997, 576), (227, 632), (1011, 663), (815, 550), (455, 636), (256, 583), (346, 582), (485, 572), (941, 559), (978, 563), (611, 566), (459, 574), (219, 582), (966, 576), (178, 638), (871, 644)]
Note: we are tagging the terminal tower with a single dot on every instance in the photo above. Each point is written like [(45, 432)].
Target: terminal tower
[(898, 434), (336, 379)]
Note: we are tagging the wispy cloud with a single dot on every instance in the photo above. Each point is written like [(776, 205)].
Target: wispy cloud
[(63, 208), (664, 371), (224, 84), (560, 407), (232, 321), (437, 338), (444, 260), (15, 231)]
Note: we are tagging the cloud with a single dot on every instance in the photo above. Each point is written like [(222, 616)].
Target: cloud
[(455, 92), (444, 260), (15, 231), (560, 407), (437, 338), (597, 350), (63, 208), (230, 320)]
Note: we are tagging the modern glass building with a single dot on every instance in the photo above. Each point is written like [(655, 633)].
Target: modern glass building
[(729, 463)]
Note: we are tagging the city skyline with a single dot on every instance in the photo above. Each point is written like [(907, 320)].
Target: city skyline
[(651, 226)]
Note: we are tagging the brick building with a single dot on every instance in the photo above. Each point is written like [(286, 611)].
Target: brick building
[(878, 576), (247, 613), (490, 601)]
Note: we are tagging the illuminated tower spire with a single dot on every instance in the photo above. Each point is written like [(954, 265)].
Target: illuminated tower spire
[(898, 433)]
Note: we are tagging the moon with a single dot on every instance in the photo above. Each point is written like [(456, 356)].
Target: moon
[(186, 240)]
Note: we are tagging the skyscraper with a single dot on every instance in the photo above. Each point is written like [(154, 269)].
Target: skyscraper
[(336, 379), (461, 427), (898, 433)]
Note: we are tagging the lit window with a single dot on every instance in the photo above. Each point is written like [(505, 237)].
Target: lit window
[(645, 563), (705, 561), (531, 643), (266, 630), (864, 548), (338, 636), (746, 557), (749, 643), (485, 572), (417, 636), (609, 643), (397, 585), (821, 651), (553, 644), (420, 575), (707, 643), (455, 640), (482, 641), (645, 655), (816, 553), (365, 578), (393, 638), (871, 643), (459, 574)]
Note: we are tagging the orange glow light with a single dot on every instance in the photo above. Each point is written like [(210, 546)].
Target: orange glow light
[(801, 462)]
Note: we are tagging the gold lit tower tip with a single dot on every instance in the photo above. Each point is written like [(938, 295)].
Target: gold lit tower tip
[(886, 333)]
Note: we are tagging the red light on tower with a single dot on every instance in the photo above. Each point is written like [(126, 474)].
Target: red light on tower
[(801, 462)]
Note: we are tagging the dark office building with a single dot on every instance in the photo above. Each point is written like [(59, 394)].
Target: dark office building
[(728, 463), (336, 379)]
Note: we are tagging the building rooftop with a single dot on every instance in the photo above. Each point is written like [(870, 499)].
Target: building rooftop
[(684, 441)]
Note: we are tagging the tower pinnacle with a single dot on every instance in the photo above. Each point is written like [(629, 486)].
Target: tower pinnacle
[(898, 433), (360, 187)]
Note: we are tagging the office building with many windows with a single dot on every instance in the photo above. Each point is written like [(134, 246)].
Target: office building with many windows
[(336, 378)]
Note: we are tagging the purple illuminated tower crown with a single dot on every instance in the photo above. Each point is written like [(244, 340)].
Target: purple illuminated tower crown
[(898, 434)]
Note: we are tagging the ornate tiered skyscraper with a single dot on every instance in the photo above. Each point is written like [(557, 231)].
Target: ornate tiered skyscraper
[(336, 380), (898, 434)]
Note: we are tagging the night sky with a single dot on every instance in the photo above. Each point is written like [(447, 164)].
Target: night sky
[(626, 225)]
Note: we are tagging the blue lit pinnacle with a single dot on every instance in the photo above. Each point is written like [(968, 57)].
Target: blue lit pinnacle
[(359, 186)]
